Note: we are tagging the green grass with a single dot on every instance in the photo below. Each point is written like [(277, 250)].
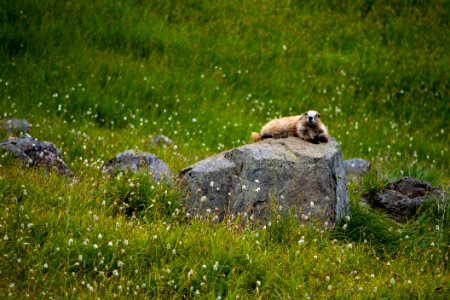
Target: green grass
[(99, 77)]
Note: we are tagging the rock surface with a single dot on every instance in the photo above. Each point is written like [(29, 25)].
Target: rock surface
[(161, 139), (137, 161), (34, 153), (15, 126), (290, 174), (403, 197), (356, 166)]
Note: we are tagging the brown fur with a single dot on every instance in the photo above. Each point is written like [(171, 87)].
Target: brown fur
[(308, 127)]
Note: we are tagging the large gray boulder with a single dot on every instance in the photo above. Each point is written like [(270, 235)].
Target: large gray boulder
[(290, 175), (138, 161), (35, 153)]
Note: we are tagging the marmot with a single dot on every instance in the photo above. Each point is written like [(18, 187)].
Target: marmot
[(308, 127)]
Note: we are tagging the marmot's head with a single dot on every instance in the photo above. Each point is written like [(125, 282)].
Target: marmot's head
[(311, 117)]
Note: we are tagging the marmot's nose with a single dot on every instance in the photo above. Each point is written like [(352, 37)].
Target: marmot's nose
[(310, 118)]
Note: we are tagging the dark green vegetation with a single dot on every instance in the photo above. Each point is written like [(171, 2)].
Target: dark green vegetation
[(99, 77)]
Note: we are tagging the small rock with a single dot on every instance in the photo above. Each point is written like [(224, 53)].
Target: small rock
[(161, 139), (137, 161), (15, 126), (403, 197), (34, 153), (356, 166)]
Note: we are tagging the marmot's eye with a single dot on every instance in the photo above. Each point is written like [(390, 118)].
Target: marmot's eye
[(306, 113), (318, 115)]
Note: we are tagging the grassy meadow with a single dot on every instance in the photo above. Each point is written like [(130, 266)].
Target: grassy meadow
[(99, 77)]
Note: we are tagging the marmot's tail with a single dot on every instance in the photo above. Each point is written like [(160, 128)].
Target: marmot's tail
[(255, 137)]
